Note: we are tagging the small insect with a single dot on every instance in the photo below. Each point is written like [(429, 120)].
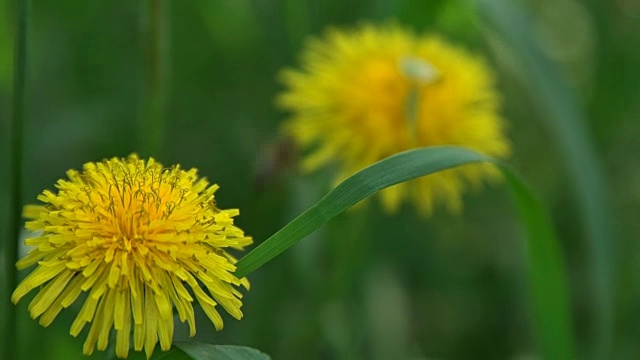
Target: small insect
[(274, 160)]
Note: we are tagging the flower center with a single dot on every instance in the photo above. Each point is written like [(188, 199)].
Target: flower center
[(139, 206)]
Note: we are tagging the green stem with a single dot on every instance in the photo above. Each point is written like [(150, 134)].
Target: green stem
[(413, 111), (296, 22), (155, 92), (567, 122), (350, 246), (14, 220)]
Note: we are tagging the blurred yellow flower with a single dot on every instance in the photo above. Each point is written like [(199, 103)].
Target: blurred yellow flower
[(367, 94), (131, 234)]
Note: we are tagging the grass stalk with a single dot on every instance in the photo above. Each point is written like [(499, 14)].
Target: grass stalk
[(296, 15), (154, 31), (10, 245)]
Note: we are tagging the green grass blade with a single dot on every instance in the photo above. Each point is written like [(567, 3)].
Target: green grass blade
[(568, 124), (547, 277), (203, 351), (546, 272), (296, 16), (393, 170), (194, 350), (154, 28), (9, 245), (5, 43)]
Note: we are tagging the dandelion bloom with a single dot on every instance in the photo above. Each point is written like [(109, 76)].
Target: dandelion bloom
[(132, 235), (366, 94)]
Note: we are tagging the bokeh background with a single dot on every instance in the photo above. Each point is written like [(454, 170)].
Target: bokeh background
[(368, 285)]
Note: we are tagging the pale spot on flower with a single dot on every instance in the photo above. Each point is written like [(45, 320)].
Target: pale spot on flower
[(363, 95)]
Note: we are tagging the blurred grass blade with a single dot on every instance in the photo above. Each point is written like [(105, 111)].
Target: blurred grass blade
[(6, 61), (568, 124), (546, 271), (154, 29), (296, 16), (9, 245), (193, 350), (547, 277)]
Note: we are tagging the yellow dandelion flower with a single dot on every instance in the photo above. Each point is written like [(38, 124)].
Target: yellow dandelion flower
[(366, 94), (139, 239)]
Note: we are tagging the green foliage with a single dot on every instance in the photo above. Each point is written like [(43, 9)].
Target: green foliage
[(200, 351), (448, 287), (193, 350), (393, 170), (568, 125), (5, 43), (547, 277)]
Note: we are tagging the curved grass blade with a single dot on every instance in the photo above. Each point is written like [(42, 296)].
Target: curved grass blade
[(546, 271), (393, 170), (202, 351), (194, 350), (547, 278), (568, 124)]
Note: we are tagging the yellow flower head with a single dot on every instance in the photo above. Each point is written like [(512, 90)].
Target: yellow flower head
[(132, 235), (367, 94)]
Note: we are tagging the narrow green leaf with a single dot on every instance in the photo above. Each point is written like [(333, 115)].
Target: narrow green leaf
[(202, 351), (5, 43), (393, 170), (173, 354), (567, 123), (9, 245), (296, 15), (546, 273), (194, 350), (155, 32)]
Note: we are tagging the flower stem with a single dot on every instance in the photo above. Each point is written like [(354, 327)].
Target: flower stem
[(154, 32), (10, 248), (297, 22)]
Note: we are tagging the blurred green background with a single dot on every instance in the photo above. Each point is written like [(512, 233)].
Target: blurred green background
[(368, 285)]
